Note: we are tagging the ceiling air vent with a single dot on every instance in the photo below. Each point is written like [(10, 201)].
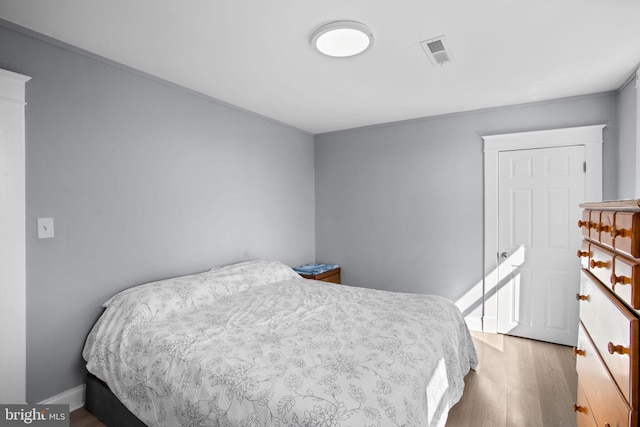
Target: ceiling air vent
[(436, 51)]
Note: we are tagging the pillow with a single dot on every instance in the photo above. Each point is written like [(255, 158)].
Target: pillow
[(162, 297), (168, 297), (253, 273), (162, 300)]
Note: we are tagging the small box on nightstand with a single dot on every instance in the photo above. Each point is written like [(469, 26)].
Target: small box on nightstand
[(323, 272)]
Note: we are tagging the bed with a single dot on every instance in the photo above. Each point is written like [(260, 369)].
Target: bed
[(254, 344)]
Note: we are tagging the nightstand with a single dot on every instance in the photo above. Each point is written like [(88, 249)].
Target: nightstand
[(323, 272)]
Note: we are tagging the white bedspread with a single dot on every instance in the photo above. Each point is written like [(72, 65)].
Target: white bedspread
[(254, 344)]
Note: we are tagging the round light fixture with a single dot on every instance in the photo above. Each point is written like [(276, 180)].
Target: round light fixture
[(341, 39)]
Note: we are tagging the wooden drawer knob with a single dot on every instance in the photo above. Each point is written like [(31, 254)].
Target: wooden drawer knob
[(623, 280), (582, 297), (619, 233), (583, 254), (584, 224), (601, 227), (577, 352), (597, 264), (612, 349), (578, 408)]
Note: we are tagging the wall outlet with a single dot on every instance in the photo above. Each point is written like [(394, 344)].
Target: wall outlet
[(45, 228)]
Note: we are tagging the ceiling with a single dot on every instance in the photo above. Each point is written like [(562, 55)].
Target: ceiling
[(255, 54)]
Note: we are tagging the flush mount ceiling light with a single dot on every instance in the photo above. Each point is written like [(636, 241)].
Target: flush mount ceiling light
[(341, 39)]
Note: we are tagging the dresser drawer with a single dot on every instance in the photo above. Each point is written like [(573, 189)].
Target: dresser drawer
[(625, 280), (604, 227), (594, 225), (601, 263), (626, 233), (620, 230), (614, 331), (584, 415), (585, 223), (584, 253), (603, 397)]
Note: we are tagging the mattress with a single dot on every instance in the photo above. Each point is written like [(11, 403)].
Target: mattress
[(254, 344)]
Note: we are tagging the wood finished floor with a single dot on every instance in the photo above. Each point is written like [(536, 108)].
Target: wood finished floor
[(518, 382)]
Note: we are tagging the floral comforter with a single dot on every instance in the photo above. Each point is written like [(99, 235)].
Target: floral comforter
[(253, 344)]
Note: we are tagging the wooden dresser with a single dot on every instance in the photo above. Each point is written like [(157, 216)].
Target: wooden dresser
[(609, 298)]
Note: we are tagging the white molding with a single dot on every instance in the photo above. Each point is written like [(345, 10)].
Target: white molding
[(12, 86), (474, 323), (490, 324), (15, 76), (12, 101), (544, 138), (590, 137), (74, 397), (13, 334)]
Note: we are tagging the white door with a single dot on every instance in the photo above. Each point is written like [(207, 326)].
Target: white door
[(538, 197)]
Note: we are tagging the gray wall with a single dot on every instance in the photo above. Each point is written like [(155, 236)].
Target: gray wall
[(400, 206), (144, 181), (626, 166)]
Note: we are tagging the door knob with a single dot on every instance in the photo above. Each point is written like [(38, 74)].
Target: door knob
[(504, 255)]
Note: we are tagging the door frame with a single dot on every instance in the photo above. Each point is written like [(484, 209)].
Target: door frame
[(590, 137), (12, 238)]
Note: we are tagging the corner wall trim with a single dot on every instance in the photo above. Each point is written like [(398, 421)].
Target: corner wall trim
[(74, 397)]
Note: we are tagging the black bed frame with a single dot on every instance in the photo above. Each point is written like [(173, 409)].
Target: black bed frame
[(104, 405)]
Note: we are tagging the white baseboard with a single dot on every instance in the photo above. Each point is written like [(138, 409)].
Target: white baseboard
[(474, 323), (490, 324), (74, 397)]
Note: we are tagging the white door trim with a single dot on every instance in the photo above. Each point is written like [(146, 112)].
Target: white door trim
[(12, 238), (588, 136)]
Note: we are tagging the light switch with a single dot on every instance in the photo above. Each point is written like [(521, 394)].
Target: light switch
[(45, 228)]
